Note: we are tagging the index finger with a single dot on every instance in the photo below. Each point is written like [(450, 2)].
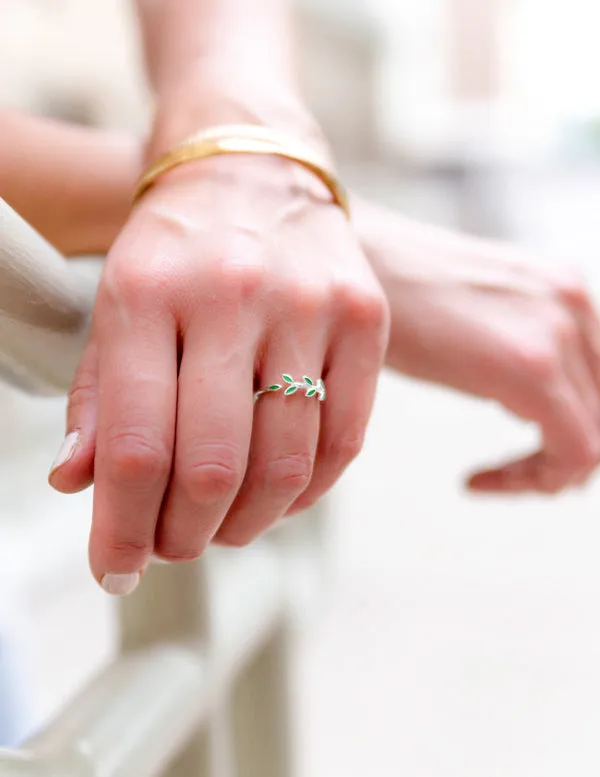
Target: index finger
[(136, 428), (569, 441)]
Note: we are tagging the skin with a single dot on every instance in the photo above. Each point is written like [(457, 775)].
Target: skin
[(73, 183), (485, 319), (466, 313), (227, 273)]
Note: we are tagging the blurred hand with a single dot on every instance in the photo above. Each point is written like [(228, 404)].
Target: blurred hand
[(483, 319), (227, 275)]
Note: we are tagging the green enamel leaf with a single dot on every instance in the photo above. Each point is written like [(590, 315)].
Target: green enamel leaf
[(311, 393), (308, 380), (274, 387), (288, 378), (290, 390)]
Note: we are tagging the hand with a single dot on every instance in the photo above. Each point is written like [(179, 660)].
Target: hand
[(483, 319), (228, 274)]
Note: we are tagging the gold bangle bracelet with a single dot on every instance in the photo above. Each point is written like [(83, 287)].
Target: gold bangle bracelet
[(243, 139)]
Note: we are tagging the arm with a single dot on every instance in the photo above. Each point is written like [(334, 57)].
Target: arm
[(485, 297), (221, 61), (209, 61), (233, 38), (485, 319), (229, 273), (72, 183)]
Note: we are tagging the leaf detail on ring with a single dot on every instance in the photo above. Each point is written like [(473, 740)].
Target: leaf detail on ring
[(290, 390), (311, 392), (288, 378), (274, 387), (306, 379)]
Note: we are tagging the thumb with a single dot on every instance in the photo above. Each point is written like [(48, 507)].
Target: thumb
[(73, 467)]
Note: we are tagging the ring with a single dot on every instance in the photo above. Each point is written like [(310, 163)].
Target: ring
[(290, 386)]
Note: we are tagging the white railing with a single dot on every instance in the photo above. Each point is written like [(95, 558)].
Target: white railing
[(201, 684)]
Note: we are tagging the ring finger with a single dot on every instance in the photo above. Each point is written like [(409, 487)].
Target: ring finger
[(284, 441)]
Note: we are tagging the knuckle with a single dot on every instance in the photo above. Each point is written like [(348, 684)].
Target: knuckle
[(364, 308), (124, 549), (238, 284), (564, 329), (571, 290), (345, 449), (82, 392), (289, 474), (250, 280), (537, 361), (588, 454), (135, 454), (212, 480), (136, 287)]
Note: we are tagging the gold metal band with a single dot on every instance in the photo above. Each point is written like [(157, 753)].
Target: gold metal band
[(244, 139)]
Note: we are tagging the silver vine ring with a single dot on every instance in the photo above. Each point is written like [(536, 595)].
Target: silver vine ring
[(290, 386)]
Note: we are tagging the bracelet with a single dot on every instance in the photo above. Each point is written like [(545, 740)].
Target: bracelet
[(244, 139)]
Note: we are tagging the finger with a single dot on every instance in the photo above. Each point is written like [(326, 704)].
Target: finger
[(572, 293), (284, 443), (580, 371), (214, 426), (351, 383), (531, 473), (568, 449), (584, 380), (537, 472), (73, 467), (590, 337), (136, 426)]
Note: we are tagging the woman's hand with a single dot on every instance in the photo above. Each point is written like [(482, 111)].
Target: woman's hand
[(478, 317), (229, 273)]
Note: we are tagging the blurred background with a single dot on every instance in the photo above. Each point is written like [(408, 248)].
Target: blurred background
[(460, 636)]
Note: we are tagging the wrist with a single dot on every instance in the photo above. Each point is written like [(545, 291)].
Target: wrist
[(99, 203), (199, 102), (381, 233)]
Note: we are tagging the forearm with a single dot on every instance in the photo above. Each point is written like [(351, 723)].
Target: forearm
[(397, 245), (221, 61), (73, 184), (240, 39)]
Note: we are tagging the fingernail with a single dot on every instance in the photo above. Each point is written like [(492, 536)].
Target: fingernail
[(67, 449), (158, 560), (120, 585)]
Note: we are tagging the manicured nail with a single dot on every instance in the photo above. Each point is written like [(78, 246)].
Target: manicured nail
[(67, 449), (120, 585)]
